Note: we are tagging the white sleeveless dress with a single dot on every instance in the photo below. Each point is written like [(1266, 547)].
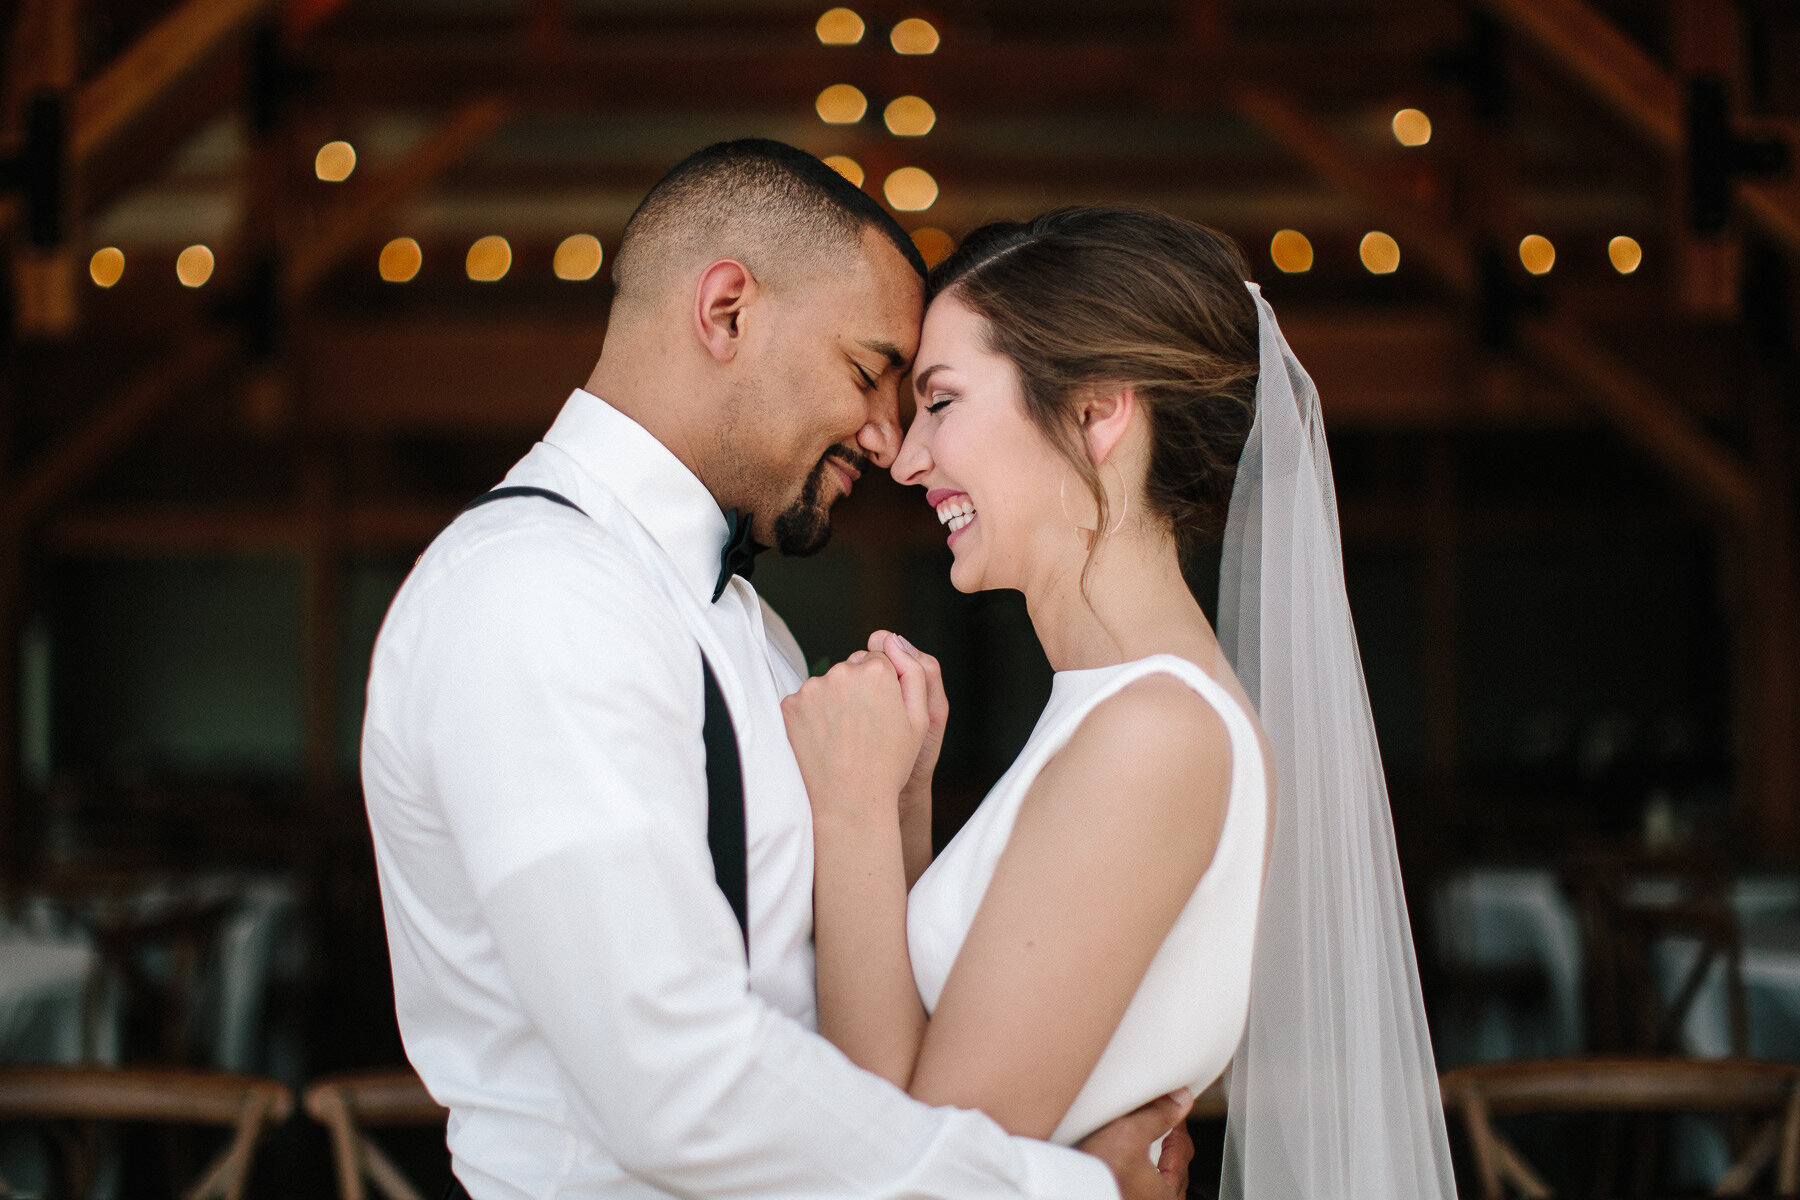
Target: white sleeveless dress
[(1184, 1024)]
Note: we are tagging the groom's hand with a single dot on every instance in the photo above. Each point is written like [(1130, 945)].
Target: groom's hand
[(1124, 1146)]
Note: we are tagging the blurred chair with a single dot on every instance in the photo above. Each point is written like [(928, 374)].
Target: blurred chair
[(350, 1103), (1629, 1085), (1629, 906), (68, 1100)]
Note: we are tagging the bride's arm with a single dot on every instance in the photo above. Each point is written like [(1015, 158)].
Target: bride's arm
[(857, 732), (1109, 844)]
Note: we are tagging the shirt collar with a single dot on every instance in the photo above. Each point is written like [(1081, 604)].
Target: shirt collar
[(649, 481)]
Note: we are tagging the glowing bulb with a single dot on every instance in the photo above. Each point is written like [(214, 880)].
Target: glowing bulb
[(401, 260), (334, 161), (578, 257), (107, 266), (1291, 252), (934, 244), (1537, 254), (490, 258), (839, 27), (194, 266), (1380, 253), (911, 190), (1627, 256), (846, 166), (914, 36), (841, 104), (1412, 127), (909, 116)]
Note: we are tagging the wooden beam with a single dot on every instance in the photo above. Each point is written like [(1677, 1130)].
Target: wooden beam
[(1641, 92), (111, 531), (352, 223), (156, 62), (57, 472), (1641, 411)]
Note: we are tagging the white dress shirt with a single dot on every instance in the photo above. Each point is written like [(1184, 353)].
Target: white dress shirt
[(570, 981)]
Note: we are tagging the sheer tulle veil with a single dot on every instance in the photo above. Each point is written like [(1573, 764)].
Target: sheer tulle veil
[(1333, 1092)]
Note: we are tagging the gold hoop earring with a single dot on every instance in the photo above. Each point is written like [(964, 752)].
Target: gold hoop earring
[(1062, 502)]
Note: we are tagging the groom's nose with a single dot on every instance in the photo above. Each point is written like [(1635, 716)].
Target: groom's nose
[(880, 437)]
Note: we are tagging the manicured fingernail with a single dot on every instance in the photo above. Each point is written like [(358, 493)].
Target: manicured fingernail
[(906, 645), (1185, 1098)]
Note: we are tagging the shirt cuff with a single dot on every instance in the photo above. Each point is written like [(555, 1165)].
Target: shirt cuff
[(1060, 1173)]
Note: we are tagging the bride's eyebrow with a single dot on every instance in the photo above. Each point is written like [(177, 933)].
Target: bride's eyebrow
[(923, 378)]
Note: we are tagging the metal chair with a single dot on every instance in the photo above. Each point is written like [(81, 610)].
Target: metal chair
[(349, 1103), (1629, 1085), (61, 1096)]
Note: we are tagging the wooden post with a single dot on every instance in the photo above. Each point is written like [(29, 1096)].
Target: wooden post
[(43, 61), (1769, 639), (1442, 638), (1708, 40)]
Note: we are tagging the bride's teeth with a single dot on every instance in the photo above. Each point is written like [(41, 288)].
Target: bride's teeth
[(956, 512)]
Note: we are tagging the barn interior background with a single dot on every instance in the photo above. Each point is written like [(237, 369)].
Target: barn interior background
[(289, 282)]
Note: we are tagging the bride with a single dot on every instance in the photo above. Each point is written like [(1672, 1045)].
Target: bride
[(1190, 865)]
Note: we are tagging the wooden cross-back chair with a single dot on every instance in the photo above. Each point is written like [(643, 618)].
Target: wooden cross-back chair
[(1629, 1085), (349, 1104), (68, 1099)]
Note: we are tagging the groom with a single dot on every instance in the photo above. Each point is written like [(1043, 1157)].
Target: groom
[(552, 698)]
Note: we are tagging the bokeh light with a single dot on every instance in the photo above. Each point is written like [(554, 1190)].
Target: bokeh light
[(1537, 254), (839, 27), (578, 257), (841, 104), (1627, 256), (194, 266), (911, 190), (1291, 251), (933, 243), (909, 116), (1412, 127), (490, 258), (107, 266), (1380, 253), (401, 260), (914, 36), (334, 161), (846, 166)]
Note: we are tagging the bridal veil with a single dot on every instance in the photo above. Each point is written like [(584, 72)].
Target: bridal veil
[(1334, 1092)]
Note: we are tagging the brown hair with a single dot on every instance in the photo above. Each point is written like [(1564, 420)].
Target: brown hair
[(1105, 296)]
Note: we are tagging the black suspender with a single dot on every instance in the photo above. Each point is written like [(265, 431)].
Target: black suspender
[(724, 769)]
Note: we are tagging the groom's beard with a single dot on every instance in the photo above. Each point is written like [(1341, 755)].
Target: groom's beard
[(805, 526)]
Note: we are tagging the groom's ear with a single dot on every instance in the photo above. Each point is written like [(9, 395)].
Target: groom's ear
[(720, 297), (1105, 415)]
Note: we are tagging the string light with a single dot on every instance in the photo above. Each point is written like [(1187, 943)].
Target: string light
[(194, 266), (839, 27), (490, 258), (846, 166), (1412, 127), (910, 190), (1627, 256), (578, 257), (1380, 253), (107, 266), (909, 116), (914, 36), (841, 104), (1291, 252), (401, 260), (334, 161), (1537, 254), (934, 244)]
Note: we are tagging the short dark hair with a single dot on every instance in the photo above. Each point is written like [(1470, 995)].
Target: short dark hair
[(756, 199)]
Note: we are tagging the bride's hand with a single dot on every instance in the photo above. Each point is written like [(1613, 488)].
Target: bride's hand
[(856, 732), (918, 669)]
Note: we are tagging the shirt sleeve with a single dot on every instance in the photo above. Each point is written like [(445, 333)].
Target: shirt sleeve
[(564, 710)]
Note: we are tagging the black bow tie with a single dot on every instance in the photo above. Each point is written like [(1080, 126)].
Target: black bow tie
[(739, 555)]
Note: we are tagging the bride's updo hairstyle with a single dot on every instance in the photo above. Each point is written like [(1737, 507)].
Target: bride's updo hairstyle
[(1086, 298)]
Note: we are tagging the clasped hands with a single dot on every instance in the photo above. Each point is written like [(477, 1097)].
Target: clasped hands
[(866, 735)]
